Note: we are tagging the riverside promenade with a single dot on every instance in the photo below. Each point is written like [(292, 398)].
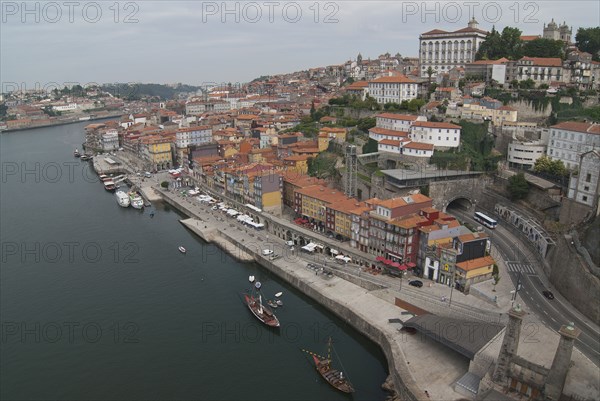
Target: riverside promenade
[(420, 368), (410, 357)]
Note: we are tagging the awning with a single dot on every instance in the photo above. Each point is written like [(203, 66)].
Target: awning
[(387, 262), (380, 258), (395, 264), (402, 267), (309, 247), (411, 265), (319, 246), (333, 251)]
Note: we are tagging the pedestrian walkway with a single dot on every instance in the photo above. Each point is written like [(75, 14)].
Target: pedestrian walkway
[(517, 267)]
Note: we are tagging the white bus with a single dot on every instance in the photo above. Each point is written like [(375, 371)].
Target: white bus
[(485, 220)]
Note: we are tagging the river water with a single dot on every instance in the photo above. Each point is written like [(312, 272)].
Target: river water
[(97, 303)]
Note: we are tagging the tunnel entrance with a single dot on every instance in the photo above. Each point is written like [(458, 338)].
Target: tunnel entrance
[(463, 204)]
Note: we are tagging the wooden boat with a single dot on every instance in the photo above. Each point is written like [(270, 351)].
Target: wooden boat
[(334, 377), (260, 311)]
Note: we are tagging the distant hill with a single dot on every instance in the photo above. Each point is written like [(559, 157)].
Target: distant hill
[(136, 91)]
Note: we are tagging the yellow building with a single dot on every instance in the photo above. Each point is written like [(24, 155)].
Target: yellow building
[(297, 164), (473, 271), (158, 152), (323, 142), (339, 134)]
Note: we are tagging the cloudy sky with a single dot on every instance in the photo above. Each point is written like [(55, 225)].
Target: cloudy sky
[(196, 41)]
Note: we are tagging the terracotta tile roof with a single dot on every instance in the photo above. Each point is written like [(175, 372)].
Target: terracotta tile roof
[(390, 142), (527, 38), (588, 128), (486, 62), (544, 61), (399, 79), (388, 132), (419, 146), (432, 124), (358, 85), (472, 237), (394, 116), (473, 264), (397, 202)]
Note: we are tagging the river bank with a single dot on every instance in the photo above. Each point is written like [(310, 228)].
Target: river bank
[(59, 123), (366, 308)]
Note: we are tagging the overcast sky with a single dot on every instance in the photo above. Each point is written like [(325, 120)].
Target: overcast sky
[(195, 42)]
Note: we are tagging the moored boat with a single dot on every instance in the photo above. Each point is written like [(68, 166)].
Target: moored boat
[(182, 249), (136, 200), (109, 185), (334, 377), (122, 199), (76, 153), (260, 311)]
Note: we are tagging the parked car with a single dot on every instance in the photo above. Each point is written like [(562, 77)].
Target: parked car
[(416, 283), (548, 294)]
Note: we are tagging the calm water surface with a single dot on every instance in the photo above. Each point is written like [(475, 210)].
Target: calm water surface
[(97, 303)]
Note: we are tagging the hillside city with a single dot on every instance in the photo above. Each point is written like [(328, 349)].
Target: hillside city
[(385, 161)]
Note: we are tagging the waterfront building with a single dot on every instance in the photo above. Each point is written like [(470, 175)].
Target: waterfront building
[(110, 140), (569, 140), (293, 181), (442, 50), (334, 133), (157, 150)]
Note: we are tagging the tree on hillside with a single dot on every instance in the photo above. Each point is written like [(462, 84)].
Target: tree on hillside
[(497, 45), (518, 187), (588, 40), (370, 146), (553, 167), (544, 48)]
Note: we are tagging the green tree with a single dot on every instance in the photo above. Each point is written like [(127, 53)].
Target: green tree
[(430, 71), (518, 187), (588, 40), (496, 278), (164, 184), (497, 45), (544, 48), (370, 146), (365, 124), (527, 84)]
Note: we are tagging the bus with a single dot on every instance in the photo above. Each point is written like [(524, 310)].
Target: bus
[(485, 220)]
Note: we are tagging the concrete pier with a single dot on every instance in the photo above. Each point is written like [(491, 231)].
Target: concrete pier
[(211, 234)]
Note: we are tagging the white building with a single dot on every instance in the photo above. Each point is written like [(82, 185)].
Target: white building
[(65, 107), (195, 135), (396, 122), (201, 107), (418, 149), (379, 134), (585, 187), (524, 154), (569, 140), (110, 140), (439, 134), (442, 50), (542, 70), (394, 89)]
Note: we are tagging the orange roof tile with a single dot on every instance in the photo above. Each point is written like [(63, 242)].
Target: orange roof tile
[(419, 146), (473, 264), (394, 116)]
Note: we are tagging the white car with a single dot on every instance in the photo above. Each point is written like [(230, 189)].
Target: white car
[(267, 252)]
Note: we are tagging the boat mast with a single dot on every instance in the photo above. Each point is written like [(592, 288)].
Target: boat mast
[(329, 352)]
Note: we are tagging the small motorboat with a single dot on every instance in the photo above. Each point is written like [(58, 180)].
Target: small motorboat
[(272, 303), (182, 249), (278, 302)]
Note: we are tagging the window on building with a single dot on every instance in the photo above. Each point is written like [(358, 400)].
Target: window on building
[(584, 198), (588, 177)]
